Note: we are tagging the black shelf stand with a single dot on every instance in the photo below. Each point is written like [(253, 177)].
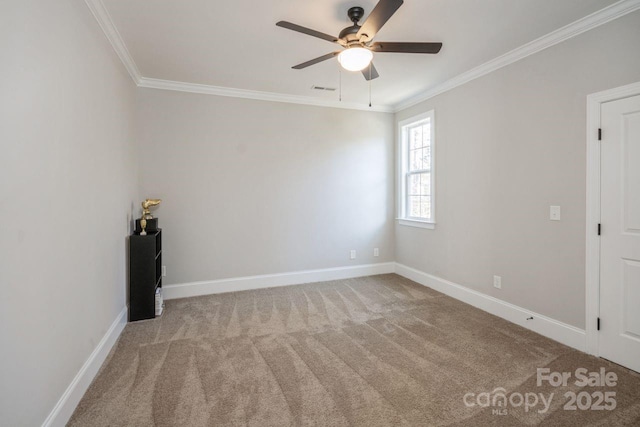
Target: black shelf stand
[(145, 271)]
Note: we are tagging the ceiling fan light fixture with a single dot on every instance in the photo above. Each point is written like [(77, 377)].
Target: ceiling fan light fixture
[(355, 58)]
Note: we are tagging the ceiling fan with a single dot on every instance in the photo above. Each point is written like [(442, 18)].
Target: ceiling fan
[(357, 40)]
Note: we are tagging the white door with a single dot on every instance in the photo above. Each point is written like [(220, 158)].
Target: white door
[(619, 339)]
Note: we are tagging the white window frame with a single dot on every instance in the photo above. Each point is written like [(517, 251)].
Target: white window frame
[(402, 167)]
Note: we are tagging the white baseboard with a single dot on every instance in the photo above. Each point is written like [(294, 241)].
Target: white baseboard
[(273, 280), (72, 395), (550, 328)]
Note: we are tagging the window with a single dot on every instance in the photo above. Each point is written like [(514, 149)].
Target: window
[(416, 171)]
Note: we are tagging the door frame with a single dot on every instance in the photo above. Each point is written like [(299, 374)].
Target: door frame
[(592, 265)]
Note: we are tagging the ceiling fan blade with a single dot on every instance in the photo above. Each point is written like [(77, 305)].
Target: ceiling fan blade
[(377, 18), (307, 31), (374, 73), (408, 47), (315, 61)]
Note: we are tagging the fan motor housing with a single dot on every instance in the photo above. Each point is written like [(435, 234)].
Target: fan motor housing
[(350, 34)]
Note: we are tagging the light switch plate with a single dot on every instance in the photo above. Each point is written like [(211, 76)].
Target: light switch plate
[(554, 213)]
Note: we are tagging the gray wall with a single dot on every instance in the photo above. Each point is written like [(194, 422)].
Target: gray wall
[(67, 184), (509, 145), (253, 187)]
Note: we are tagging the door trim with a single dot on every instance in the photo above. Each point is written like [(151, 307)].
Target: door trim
[(592, 268)]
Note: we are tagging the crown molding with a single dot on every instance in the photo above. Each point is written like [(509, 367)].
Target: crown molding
[(574, 29), (607, 14), (251, 94), (108, 27)]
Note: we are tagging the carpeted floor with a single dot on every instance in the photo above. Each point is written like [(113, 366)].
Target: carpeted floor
[(372, 351)]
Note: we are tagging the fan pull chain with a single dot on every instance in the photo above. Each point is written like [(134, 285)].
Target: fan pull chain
[(369, 84), (340, 85)]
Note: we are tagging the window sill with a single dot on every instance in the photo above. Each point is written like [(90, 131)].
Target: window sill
[(417, 223)]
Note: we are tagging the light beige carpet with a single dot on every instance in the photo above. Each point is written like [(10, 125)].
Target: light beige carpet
[(373, 351)]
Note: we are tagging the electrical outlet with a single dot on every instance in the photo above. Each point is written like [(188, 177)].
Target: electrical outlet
[(353, 254), (376, 252), (497, 282), (164, 271)]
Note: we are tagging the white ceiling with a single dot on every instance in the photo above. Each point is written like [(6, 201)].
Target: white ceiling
[(236, 44)]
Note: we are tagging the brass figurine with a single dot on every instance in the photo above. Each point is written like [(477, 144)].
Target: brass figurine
[(146, 214)]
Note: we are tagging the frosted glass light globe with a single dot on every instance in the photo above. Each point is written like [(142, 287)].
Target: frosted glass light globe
[(355, 58)]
